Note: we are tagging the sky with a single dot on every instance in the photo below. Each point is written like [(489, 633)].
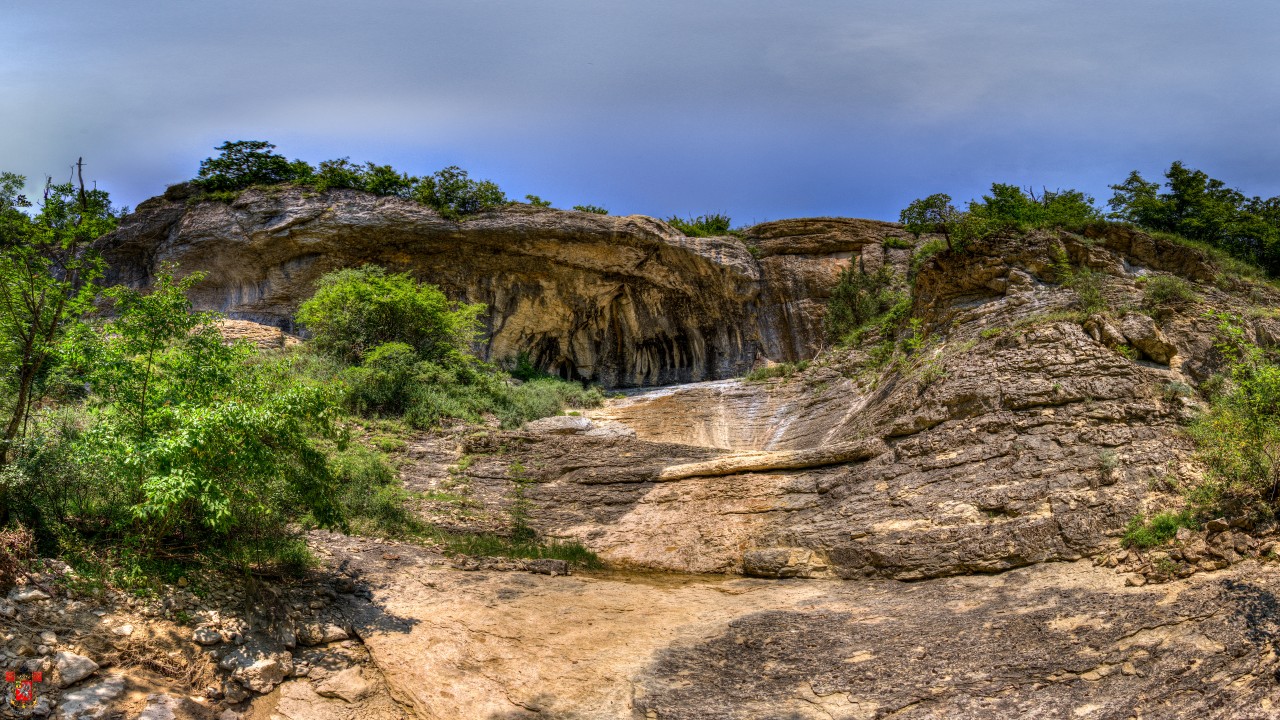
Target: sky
[(759, 110)]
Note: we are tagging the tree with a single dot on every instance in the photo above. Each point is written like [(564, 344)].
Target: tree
[(358, 309), (453, 194), (47, 279), (1204, 209), (933, 214), (243, 163), (192, 442)]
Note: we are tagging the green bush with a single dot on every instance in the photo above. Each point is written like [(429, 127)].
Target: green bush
[(712, 225), (894, 242), (536, 201), (1159, 529), (454, 194), (1238, 438), (184, 444), (383, 384), (780, 370), (357, 309), (596, 209), (859, 299), (1167, 292), (1203, 209), (370, 494)]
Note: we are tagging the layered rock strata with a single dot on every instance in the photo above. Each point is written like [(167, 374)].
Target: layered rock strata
[(620, 301)]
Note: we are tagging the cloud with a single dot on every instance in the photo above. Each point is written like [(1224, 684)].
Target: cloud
[(755, 108)]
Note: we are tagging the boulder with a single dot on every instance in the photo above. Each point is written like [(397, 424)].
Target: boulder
[(263, 675), (161, 707), (72, 668), (206, 636), (1142, 333), (320, 633), (92, 701), (29, 594), (783, 562), (348, 685)]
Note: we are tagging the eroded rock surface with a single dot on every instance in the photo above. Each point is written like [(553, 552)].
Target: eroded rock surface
[(1058, 640)]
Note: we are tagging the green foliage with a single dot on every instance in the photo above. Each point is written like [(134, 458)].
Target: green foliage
[(591, 209), (1088, 283), (861, 299), (536, 201), (894, 242), (47, 280), (1160, 528), (1203, 209), (1239, 436), (1008, 209), (454, 194), (243, 163), (412, 352), (933, 214), (370, 494), (185, 446), (1163, 293), (780, 370), (357, 309), (712, 225), (923, 253), (191, 441)]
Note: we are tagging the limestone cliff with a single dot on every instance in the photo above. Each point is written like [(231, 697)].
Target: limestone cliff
[(622, 301), (1019, 433)]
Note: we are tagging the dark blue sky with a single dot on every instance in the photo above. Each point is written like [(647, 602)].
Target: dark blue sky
[(762, 110)]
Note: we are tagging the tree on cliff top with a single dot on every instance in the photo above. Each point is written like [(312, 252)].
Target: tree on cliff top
[(243, 163)]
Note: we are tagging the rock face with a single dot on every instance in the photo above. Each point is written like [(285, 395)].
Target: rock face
[(622, 301), (1018, 433)]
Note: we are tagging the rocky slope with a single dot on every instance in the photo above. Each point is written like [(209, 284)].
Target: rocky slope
[(621, 301)]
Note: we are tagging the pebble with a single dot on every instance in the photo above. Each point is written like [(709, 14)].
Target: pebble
[(124, 630)]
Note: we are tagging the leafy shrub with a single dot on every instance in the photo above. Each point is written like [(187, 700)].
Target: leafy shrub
[(933, 214), (780, 370), (523, 368), (702, 226), (859, 298), (1238, 438), (454, 194), (1088, 283), (894, 242), (357, 309), (1160, 528), (189, 446), (338, 174), (383, 384), (536, 201), (370, 494), (591, 209), (1009, 208), (1167, 292)]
